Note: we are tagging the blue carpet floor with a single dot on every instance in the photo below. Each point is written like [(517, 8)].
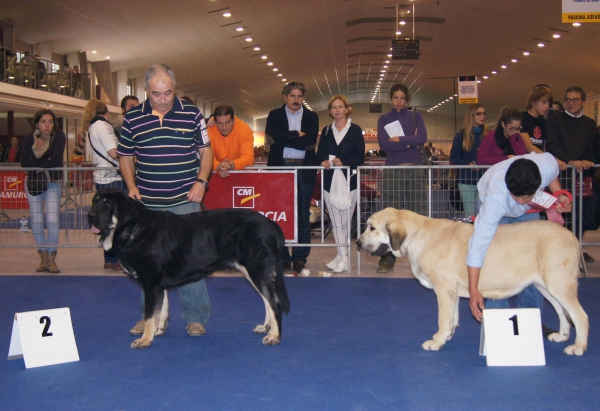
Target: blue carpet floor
[(348, 344)]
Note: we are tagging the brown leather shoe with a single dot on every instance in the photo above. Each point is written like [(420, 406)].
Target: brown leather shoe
[(114, 267), (195, 329), (44, 263), (138, 328), (52, 268)]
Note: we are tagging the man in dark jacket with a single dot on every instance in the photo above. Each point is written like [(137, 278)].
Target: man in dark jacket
[(12, 154), (292, 132)]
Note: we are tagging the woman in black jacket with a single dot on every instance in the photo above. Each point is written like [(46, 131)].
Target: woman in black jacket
[(342, 144), (44, 148)]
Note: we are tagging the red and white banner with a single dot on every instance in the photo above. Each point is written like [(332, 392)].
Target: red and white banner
[(12, 191), (271, 193)]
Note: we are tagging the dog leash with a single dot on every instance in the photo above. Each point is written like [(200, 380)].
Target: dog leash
[(551, 212)]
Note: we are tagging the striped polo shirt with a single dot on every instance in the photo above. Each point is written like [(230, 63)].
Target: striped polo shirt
[(167, 159)]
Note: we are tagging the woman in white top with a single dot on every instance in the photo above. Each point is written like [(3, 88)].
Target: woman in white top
[(101, 142)]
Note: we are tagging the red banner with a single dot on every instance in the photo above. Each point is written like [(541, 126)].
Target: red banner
[(12, 194), (271, 193)]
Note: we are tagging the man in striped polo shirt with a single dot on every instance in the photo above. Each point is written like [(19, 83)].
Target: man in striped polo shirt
[(168, 136)]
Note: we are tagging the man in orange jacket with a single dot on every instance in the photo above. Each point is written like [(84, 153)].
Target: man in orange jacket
[(232, 142)]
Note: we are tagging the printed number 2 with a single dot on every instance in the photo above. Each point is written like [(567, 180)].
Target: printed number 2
[(515, 324), (46, 319)]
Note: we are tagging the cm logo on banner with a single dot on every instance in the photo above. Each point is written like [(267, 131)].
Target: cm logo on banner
[(243, 197)]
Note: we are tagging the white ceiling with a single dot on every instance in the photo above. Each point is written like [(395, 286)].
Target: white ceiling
[(332, 46)]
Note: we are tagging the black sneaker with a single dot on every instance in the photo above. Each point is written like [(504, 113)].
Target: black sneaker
[(588, 258), (299, 266)]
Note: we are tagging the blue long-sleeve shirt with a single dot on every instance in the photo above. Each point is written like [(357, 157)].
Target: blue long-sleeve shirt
[(496, 202), (462, 157), (406, 151)]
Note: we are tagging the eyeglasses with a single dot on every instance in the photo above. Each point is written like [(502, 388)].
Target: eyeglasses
[(572, 100), (294, 83), (480, 113), (514, 129)]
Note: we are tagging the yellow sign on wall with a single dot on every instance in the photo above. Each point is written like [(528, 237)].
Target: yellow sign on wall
[(581, 11)]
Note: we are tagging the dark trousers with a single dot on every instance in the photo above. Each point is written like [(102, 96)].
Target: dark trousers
[(305, 186)]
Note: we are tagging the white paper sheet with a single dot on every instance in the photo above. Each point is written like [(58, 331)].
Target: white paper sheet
[(394, 129)]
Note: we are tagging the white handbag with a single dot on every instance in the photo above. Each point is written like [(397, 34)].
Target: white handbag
[(339, 196)]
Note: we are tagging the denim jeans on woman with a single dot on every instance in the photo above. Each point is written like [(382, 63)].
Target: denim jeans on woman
[(193, 296), (110, 257), (50, 201), (530, 297)]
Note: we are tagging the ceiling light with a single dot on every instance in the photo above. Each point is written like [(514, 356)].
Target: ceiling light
[(94, 52), (385, 66), (227, 14), (383, 70), (402, 22), (264, 57), (514, 60), (398, 33), (270, 63), (279, 75), (451, 98), (541, 44), (275, 69), (239, 29), (283, 79), (382, 75), (479, 81), (577, 24), (447, 99), (556, 35), (526, 53), (387, 62), (107, 57), (494, 72), (389, 55), (503, 66), (248, 38), (256, 48), (485, 77)]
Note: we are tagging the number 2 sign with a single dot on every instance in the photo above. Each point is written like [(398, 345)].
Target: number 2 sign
[(43, 338), (512, 337)]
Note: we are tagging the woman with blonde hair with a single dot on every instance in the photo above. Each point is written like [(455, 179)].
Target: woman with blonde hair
[(102, 141), (342, 144), (464, 152)]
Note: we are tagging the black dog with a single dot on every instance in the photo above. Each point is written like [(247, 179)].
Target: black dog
[(161, 250)]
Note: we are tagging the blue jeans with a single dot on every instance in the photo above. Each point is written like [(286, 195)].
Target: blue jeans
[(193, 296), (110, 257), (51, 200), (530, 297)]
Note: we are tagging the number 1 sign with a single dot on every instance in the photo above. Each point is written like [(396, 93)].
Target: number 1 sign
[(43, 338), (512, 337)]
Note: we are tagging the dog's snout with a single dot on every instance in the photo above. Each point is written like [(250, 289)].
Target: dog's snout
[(359, 243)]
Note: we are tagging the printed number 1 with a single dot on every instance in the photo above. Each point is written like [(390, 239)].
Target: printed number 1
[(515, 324), (46, 319)]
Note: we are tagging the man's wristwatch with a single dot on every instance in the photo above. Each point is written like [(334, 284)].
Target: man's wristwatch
[(203, 182)]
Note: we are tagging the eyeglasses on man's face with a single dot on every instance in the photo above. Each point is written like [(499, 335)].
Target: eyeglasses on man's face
[(572, 100)]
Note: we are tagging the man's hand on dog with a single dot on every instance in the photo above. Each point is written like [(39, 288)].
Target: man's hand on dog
[(134, 193), (476, 304)]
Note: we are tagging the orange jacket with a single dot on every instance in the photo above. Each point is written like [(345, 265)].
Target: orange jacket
[(238, 146)]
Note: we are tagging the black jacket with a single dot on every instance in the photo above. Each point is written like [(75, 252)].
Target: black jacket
[(53, 157), (5, 154)]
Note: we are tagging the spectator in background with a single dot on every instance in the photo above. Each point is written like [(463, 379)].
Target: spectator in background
[(505, 141), (127, 103), (464, 152), (292, 131), (533, 122), (401, 184), (558, 107), (572, 139), (342, 144), (102, 140), (232, 141), (12, 154), (44, 148)]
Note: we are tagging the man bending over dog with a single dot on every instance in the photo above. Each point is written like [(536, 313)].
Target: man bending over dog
[(167, 135), (504, 191)]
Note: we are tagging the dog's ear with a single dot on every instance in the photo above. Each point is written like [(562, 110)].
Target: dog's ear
[(125, 208), (397, 234)]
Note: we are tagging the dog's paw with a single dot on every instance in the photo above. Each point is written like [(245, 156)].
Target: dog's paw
[(575, 349), (162, 329), (432, 345), (271, 339), (558, 337), (261, 329), (141, 343)]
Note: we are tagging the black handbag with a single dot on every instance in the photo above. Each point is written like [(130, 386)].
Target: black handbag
[(37, 182)]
